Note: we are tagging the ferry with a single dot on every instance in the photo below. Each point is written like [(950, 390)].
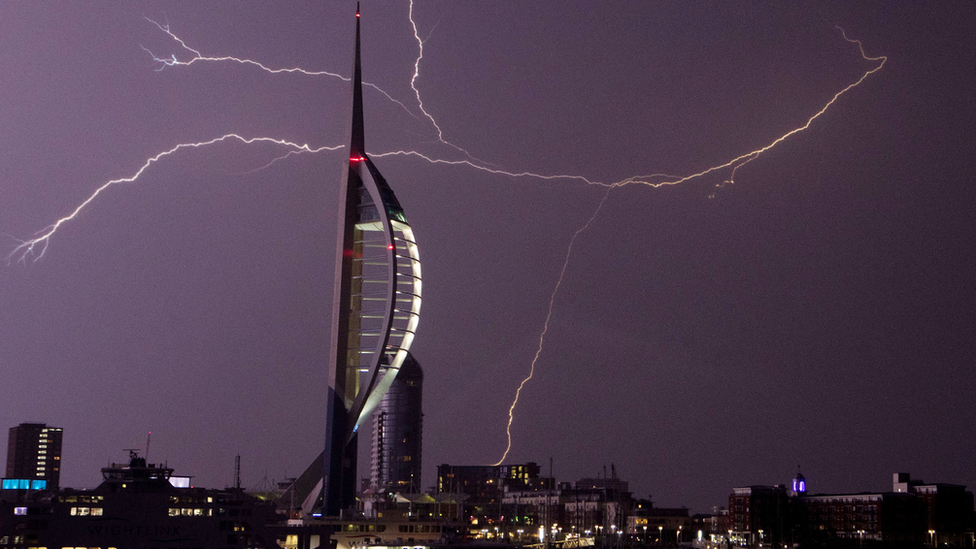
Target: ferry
[(138, 505)]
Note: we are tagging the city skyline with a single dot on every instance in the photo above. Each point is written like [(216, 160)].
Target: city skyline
[(815, 312)]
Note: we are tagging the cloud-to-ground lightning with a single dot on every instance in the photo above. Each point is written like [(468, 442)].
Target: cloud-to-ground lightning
[(36, 246), (545, 325), (733, 164)]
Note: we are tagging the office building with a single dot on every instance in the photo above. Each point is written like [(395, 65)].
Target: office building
[(34, 453)]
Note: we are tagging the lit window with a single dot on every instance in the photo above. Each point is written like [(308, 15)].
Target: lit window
[(20, 510)]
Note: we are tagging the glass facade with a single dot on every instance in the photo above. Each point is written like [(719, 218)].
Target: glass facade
[(395, 464)]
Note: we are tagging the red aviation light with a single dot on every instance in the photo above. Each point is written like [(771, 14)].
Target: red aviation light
[(359, 158), (389, 246)]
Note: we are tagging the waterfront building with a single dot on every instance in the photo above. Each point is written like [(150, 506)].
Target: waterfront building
[(484, 483), (948, 508), (758, 514), (395, 464), (34, 453), (912, 514), (650, 525), (887, 517)]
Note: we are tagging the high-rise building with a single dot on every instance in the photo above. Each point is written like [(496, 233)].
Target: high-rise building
[(376, 309), (34, 452), (395, 463)]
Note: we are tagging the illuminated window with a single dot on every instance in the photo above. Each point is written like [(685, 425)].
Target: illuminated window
[(20, 510)]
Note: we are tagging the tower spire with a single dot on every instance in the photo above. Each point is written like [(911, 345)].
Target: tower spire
[(357, 146)]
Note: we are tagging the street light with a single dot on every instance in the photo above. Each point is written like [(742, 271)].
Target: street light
[(660, 535), (677, 535), (645, 534)]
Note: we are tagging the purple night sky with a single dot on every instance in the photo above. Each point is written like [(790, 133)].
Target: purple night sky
[(817, 312)]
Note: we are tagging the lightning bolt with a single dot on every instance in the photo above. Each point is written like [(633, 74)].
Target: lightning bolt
[(734, 164), (172, 61), (552, 301), (413, 86), (36, 247), (197, 56)]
